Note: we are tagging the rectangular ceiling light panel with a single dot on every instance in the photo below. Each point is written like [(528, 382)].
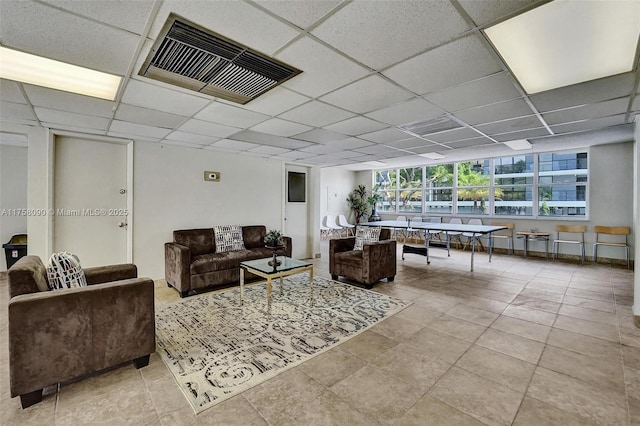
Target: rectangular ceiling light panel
[(436, 125), (192, 57), (519, 144), (39, 71), (565, 42)]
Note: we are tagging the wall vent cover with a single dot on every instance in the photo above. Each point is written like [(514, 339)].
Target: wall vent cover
[(198, 59)]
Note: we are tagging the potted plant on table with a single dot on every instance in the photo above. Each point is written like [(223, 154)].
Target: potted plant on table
[(274, 241), (373, 201)]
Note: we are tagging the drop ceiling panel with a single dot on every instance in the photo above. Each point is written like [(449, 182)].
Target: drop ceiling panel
[(205, 128), (441, 67), (148, 116), (386, 135), (14, 110), (236, 20), (318, 64), (275, 101), (452, 135), (468, 143), (351, 143), (234, 145), (377, 149), (279, 127), (270, 140), (268, 150), (590, 124), (487, 90), (133, 137), (522, 123), (191, 138), (71, 102), (162, 99), (494, 112), (369, 94), (71, 119), (356, 126), (296, 155), (128, 15), (218, 149), (27, 26), (362, 29), (124, 127), (407, 112), (429, 148), (524, 134), (484, 12), (321, 136), (585, 93), (220, 113), (600, 109), (316, 114), (301, 13), (321, 149), (407, 143), (185, 144), (9, 92)]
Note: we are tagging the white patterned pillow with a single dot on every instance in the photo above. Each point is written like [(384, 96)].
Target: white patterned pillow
[(366, 234), (64, 271), (228, 238)]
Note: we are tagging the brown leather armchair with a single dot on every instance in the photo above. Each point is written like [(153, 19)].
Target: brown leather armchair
[(59, 335), (371, 264)]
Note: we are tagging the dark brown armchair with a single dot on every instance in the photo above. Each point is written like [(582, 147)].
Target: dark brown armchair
[(55, 336), (367, 266)]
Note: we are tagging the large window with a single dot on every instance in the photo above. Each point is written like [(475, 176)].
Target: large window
[(550, 184)]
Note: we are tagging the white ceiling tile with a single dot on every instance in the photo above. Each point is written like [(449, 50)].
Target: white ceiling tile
[(385, 135), (14, 110), (238, 21), (379, 34), (368, 94), (351, 143), (138, 129), (484, 12), (205, 128), (301, 13), (414, 110), (356, 126), (429, 148), (65, 101), (600, 109), (296, 155), (228, 115), (134, 137), (191, 138), (271, 140), (585, 93), (318, 64), (148, 116), (180, 143), (162, 99), (442, 67), (234, 145), (589, 124), (322, 149), (375, 149), (269, 150), (468, 143), (512, 125), (524, 134), (452, 135), (279, 127), (71, 119), (487, 90), (27, 26), (407, 143), (636, 104), (494, 112), (219, 149), (9, 92), (276, 101), (316, 114), (128, 15), (321, 136)]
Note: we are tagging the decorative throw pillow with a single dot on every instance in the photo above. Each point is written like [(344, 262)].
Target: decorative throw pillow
[(64, 271), (366, 234), (228, 238)]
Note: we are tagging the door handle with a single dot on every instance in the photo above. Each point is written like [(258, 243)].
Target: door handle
[(122, 224)]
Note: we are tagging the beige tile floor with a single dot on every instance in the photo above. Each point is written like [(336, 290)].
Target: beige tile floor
[(518, 341)]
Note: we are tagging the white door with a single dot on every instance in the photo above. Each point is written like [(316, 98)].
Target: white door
[(296, 212), (90, 200)]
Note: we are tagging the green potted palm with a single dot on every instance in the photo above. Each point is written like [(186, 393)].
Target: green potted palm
[(359, 204)]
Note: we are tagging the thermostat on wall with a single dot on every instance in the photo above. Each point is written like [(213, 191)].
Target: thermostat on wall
[(212, 176)]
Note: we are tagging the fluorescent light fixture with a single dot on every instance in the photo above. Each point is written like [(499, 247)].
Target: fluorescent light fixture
[(32, 69), (432, 155), (565, 42), (376, 163), (518, 144)]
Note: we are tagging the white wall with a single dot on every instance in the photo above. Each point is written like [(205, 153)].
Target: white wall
[(335, 185), (170, 193), (13, 193)]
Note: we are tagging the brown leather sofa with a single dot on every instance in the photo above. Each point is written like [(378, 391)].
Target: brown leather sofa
[(367, 266), (59, 335), (192, 263)]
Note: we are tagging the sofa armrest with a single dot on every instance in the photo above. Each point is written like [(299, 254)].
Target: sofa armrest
[(177, 264), (379, 260), (105, 274), (58, 335), (339, 245), (288, 245)]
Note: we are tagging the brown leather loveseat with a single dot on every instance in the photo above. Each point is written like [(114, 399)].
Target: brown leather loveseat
[(59, 335), (193, 263)]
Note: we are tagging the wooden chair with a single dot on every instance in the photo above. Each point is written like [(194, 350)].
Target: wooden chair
[(569, 229), (506, 234), (602, 231)]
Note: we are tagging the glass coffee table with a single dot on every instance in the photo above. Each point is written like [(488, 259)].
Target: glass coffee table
[(263, 268)]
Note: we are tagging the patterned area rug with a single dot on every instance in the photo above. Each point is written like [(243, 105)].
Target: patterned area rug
[(216, 348)]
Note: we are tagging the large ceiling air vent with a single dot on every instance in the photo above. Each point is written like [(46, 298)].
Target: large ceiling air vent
[(192, 57), (422, 128)]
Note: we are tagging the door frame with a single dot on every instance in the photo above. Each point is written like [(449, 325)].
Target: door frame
[(308, 202), (54, 134)]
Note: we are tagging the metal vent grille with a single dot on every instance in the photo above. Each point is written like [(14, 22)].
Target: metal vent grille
[(189, 56), (428, 127)]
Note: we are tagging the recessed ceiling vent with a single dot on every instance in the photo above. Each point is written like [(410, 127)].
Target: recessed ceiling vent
[(422, 128), (192, 57)]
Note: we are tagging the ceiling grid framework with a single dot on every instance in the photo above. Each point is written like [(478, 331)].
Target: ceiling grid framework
[(368, 76)]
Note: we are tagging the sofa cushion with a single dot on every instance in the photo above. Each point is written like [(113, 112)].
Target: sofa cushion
[(199, 241), (214, 262), (64, 272), (228, 238), (253, 236), (366, 234)]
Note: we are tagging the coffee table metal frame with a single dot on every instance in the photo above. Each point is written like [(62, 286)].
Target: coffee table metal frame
[(261, 268)]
